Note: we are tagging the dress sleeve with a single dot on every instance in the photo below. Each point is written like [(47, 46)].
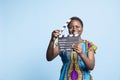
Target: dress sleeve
[(90, 45)]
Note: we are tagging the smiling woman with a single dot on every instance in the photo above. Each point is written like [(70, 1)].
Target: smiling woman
[(78, 62), (25, 27)]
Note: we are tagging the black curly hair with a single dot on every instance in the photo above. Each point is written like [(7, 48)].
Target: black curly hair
[(75, 18)]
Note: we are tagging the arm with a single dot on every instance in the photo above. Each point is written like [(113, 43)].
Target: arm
[(51, 51), (88, 60)]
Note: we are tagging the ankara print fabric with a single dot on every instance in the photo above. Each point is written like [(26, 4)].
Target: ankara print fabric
[(73, 67)]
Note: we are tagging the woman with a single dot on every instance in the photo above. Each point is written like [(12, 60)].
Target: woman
[(77, 64)]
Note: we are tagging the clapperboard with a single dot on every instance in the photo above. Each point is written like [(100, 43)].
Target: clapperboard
[(65, 42)]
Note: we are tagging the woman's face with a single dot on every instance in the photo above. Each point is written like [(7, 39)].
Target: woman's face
[(75, 27)]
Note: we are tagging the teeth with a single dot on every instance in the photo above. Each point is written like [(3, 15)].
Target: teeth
[(76, 35), (75, 32)]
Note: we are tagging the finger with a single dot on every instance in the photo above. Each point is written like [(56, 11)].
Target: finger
[(77, 50), (56, 35), (57, 31), (74, 47)]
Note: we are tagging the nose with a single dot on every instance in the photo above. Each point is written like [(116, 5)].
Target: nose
[(74, 28)]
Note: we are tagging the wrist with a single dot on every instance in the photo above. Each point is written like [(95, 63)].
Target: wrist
[(81, 54), (52, 39)]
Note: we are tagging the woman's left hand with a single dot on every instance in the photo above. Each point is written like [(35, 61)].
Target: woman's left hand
[(77, 48)]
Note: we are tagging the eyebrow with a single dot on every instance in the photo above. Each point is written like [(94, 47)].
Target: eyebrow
[(74, 25)]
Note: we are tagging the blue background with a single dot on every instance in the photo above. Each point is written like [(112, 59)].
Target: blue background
[(25, 31)]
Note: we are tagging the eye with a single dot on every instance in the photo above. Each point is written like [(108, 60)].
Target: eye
[(77, 26)]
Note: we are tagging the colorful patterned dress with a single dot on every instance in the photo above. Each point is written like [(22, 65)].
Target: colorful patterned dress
[(73, 67)]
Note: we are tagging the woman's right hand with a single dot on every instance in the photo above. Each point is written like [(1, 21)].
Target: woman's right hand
[(55, 34)]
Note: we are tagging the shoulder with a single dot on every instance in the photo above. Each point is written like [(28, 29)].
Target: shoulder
[(90, 45)]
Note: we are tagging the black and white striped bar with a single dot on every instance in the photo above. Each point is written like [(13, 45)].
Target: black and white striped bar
[(65, 42)]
